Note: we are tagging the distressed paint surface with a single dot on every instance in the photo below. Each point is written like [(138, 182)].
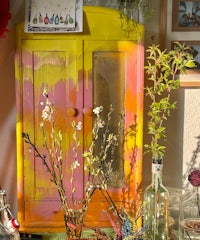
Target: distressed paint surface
[(63, 62)]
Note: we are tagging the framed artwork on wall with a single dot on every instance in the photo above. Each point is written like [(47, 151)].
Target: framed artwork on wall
[(195, 51), (185, 15), (192, 76)]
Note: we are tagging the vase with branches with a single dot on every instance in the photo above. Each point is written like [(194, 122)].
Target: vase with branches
[(96, 166), (163, 69)]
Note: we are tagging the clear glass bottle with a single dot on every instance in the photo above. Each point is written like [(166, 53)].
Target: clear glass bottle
[(156, 205)]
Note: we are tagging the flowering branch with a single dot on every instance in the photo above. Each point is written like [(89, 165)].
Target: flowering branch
[(97, 161)]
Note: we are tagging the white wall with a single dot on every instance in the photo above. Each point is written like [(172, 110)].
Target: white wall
[(191, 130)]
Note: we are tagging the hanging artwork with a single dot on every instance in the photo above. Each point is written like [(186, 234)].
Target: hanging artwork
[(195, 51), (192, 78), (53, 16), (186, 15), (4, 16)]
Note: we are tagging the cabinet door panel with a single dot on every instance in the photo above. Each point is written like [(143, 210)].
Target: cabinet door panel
[(52, 65), (112, 70)]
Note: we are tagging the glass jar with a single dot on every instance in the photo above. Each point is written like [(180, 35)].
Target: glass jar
[(190, 215)]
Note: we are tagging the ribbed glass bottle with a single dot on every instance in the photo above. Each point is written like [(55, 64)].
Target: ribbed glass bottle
[(156, 204)]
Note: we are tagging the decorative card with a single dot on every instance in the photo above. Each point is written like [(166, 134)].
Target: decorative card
[(53, 16)]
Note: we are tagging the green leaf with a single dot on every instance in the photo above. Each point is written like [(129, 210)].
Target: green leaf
[(190, 64)]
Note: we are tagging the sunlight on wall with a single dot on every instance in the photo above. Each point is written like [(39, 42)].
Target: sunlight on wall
[(191, 128), (7, 121), (8, 159)]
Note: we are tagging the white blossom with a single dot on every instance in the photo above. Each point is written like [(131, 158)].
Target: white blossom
[(47, 111), (90, 187), (100, 124), (97, 110), (79, 125), (75, 164)]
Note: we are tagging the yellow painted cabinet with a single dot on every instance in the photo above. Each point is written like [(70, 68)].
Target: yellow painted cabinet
[(100, 66)]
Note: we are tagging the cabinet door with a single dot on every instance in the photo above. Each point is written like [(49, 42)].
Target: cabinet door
[(113, 70), (52, 64)]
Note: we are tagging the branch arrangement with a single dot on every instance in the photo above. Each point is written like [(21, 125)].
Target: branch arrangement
[(98, 162), (163, 69)]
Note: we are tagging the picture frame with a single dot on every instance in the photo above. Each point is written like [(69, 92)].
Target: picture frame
[(49, 16), (190, 79), (185, 15), (192, 76), (195, 51)]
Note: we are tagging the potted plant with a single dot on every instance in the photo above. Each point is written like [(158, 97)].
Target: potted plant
[(162, 70)]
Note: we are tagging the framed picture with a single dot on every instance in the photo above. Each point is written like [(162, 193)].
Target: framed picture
[(192, 76), (50, 16), (186, 15), (195, 51)]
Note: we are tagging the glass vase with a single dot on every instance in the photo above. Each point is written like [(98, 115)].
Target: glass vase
[(93, 2), (130, 9), (190, 215), (74, 223), (156, 204)]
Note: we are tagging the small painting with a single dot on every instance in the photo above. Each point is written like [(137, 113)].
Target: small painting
[(186, 15), (53, 16), (192, 76), (195, 51)]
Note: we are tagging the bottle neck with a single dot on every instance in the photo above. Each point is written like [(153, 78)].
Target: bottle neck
[(157, 172), (2, 198)]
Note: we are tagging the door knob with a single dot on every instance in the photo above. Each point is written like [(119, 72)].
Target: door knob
[(72, 112)]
